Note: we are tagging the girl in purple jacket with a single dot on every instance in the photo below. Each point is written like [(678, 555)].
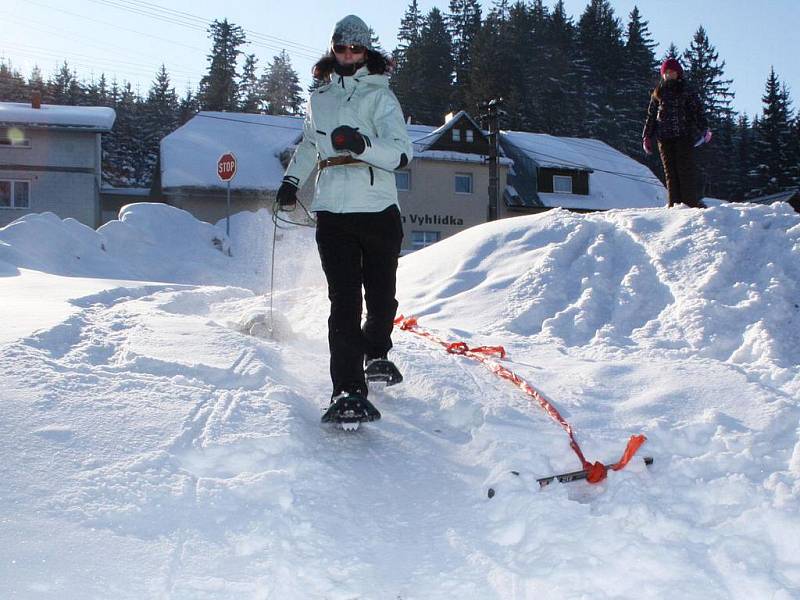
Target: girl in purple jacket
[(675, 119)]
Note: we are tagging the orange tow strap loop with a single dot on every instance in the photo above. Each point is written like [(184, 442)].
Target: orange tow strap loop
[(597, 471)]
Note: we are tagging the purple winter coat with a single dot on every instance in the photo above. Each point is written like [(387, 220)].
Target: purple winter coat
[(674, 112)]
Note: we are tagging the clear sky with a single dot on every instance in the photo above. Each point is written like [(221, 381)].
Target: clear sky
[(122, 37)]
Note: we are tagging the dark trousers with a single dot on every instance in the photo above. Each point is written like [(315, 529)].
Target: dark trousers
[(677, 156), (359, 249)]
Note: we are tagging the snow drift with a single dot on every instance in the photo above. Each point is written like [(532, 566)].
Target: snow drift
[(151, 450)]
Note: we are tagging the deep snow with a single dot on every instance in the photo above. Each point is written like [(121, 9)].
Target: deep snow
[(153, 450)]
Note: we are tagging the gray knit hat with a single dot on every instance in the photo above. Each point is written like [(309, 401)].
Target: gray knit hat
[(351, 30)]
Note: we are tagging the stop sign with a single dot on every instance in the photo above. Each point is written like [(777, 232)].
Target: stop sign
[(226, 166)]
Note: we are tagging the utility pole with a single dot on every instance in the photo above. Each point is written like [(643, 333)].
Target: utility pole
[(492, 117)]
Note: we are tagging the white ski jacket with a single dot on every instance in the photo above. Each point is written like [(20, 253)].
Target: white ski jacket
[(366, 103)]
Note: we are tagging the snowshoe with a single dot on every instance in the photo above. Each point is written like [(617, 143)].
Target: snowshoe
[(348, 409), (382, 370)]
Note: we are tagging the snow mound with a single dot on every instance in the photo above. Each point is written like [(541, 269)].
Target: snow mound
[(157, 242), (721, 283)]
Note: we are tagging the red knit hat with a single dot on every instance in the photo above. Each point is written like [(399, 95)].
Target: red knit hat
[(673, 65)]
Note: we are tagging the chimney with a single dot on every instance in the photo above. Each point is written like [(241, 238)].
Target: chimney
[(36, 99)]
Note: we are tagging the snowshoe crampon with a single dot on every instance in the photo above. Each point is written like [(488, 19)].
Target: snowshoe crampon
[(349, 410), (381, 370)]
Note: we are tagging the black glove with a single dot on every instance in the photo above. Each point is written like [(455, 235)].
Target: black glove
[(287, 196), (345, 137)]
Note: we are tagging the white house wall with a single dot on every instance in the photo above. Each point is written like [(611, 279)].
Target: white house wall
[(62, 171)]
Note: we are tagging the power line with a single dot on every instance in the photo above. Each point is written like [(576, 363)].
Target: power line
[(141, 67), (205, 21), (297, 129), (115, 25), (196, 23), (27, 23), (93, 63)]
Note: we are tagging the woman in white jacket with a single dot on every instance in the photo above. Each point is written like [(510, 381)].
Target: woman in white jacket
[(354, 133)]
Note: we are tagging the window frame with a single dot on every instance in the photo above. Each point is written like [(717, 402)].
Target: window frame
[(13, 195), (408, 177), (7, 141), (471, 183), (561, 178), (469, 136), (456, 134), (425, 242)]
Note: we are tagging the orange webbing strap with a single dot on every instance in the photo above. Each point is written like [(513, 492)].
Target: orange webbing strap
[(597, 471)]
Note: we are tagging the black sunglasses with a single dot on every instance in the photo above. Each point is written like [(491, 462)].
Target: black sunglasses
[(354, 48)]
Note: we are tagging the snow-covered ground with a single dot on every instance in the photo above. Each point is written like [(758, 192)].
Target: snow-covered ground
[(151, 449)]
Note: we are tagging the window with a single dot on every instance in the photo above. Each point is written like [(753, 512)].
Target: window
[(14, 194), (562, 184), (456, 134), (420, 239), (470, 136), (15, 138), (463, 183), (403, 180), (15, 143)]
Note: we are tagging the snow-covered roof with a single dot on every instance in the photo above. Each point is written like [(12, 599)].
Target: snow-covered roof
[(424, 142), (455, 156), (189, 154), (615, 179), (425, 136), (784, 196), (91, 118)]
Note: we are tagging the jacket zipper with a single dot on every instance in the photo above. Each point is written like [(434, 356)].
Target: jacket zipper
[(371, 176)]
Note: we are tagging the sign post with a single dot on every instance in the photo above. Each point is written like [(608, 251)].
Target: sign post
[(226, 170)]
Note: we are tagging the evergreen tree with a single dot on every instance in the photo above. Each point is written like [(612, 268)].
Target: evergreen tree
[(124, 164), (36, 82), (12, 84), (563, 102), (249, 87), (425, 62), (774, 160), (672, 52), (159, 119), (433, 63), (64, 88), (520, 39), (280, 87), (463, 24), (601, 49), (490, 73), (410, 30), (405, 81), (705, 73), (188, 107), (97, 92), (720, 164), (794, 151), (375, 42), (219, 89), (639, 76), (742, 159)]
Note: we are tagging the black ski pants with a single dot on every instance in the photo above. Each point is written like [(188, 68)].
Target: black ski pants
[(359, 249), (677, 156)]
